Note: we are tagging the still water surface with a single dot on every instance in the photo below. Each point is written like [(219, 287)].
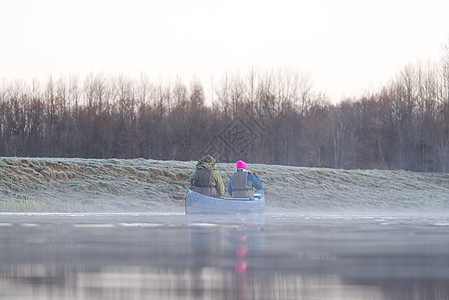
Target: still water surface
[(274, 256)]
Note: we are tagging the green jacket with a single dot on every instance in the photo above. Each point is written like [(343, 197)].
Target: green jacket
[(214, 187)]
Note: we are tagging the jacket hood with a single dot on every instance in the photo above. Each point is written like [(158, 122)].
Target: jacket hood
[(202, 165), (207, 162)]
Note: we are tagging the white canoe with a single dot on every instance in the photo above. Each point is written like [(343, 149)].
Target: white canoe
[(197, 203)]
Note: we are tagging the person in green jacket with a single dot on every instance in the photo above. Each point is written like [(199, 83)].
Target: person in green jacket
[(207, 180)]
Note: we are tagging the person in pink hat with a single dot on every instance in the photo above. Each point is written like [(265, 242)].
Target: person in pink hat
[(242, 183)]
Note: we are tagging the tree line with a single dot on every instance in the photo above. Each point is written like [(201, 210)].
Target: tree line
[(404, 125)]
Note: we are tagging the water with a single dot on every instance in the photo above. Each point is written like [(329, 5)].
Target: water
[(279, 255)]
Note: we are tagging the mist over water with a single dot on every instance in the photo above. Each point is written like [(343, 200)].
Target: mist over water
[(110, 229)]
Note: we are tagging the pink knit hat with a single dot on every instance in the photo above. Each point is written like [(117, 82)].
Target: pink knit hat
[(242, 165)]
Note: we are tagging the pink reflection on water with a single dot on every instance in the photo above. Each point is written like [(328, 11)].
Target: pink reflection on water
[(241, 263)]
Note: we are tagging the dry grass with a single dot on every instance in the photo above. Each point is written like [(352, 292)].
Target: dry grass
[(110, 185)]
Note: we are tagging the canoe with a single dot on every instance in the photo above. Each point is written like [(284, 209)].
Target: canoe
[(197, 203)]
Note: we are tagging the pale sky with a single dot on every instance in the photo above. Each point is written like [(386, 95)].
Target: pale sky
[(346, 46)]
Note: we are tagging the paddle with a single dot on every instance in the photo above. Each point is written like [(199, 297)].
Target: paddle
[(179, 197)]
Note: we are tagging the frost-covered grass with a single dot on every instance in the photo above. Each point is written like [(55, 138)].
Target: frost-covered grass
[(116, 185)]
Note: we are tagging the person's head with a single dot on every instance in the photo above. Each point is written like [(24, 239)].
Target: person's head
[(208, 159), (242, 165)]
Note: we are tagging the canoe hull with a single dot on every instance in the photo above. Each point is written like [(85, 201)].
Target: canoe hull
[(196, 203)]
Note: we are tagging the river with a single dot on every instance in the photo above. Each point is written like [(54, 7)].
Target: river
[(277, 255)]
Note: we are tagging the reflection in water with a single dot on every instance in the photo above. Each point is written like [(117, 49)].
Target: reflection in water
[(127, 282), (197, 259), (241, 261)]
